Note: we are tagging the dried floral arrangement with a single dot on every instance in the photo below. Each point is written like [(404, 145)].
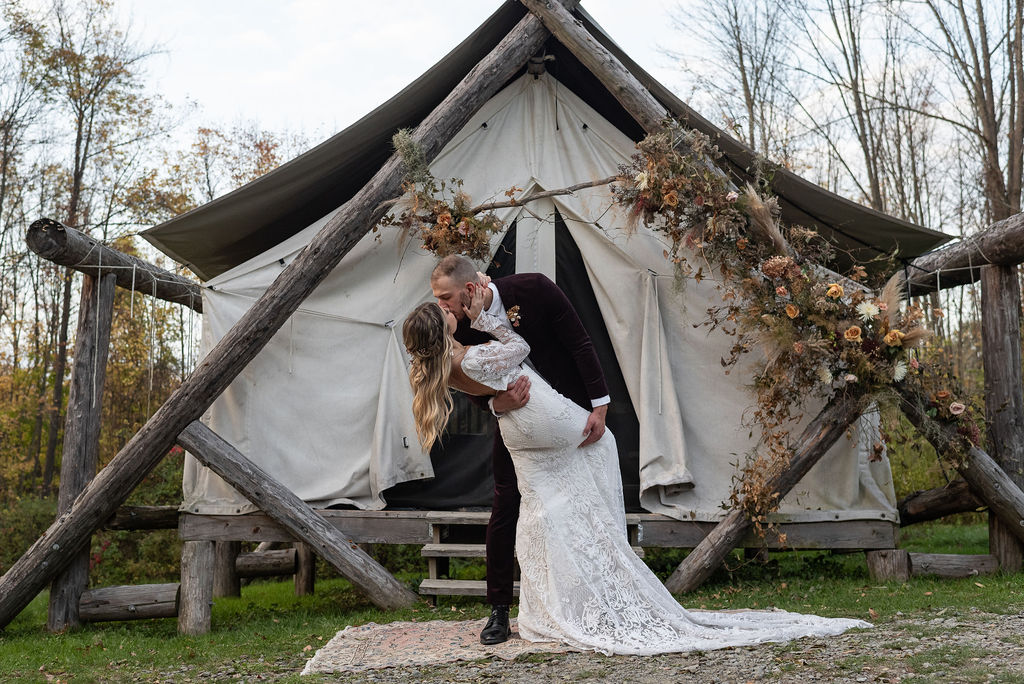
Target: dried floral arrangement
[(819, 332)]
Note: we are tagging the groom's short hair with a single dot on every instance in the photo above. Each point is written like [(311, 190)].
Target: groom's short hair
[(458, 268)]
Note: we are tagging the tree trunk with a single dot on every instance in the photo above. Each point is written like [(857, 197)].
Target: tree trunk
[(82, 436), (251, 333), (956, 497), (817, 438), (59, 367)]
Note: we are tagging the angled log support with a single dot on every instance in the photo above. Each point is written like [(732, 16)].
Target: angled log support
[(243, 342), (816, 439), (986, 479), (82, 438), (69, 247), (296, 516)]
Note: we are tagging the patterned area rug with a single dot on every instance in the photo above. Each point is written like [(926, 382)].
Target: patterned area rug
[(373, 646)]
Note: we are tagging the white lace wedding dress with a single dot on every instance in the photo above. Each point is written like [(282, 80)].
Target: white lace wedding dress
[(581, 583)]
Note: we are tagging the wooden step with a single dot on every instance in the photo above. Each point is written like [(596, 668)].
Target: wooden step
[(449, 587), (454, 551), (473, 551)]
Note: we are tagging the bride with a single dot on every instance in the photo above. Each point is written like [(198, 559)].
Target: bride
[(581, 582)]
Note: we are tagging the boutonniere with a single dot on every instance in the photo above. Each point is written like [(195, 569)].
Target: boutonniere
[(513, 316)]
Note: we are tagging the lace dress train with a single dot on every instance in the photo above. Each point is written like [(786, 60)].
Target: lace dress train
[(581, 582)]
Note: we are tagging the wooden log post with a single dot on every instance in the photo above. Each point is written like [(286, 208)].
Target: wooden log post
[(226, 580), (305, 569), (888, 564), (69, 247), (29, 574), (984, 476), (196, 600), (932, 504), (296, 516), (132, 602), (952, 564), (1004, 401), (816, 439), (82, 438)]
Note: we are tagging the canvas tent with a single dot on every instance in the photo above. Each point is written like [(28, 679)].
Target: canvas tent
[(324, 408)]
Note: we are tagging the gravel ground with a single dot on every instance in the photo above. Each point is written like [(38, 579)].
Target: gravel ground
[(969, 646)]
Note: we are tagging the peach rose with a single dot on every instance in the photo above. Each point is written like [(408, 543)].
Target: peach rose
[(835, 291), (956, 408), (852, 333), (894, 338), (792, 311)]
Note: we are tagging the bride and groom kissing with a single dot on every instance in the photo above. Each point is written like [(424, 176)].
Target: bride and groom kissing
[(516, 346)]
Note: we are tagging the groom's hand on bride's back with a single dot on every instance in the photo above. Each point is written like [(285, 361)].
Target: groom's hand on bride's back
[(515, 397)]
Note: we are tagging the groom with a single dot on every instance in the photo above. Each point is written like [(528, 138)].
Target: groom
[(561, 351)]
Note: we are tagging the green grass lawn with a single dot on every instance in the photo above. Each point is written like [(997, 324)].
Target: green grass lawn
[(269, 632)]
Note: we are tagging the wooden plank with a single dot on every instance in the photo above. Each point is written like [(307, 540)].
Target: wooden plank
[(1004, 400), (952, 564), (846, 534), (266, 563), (817, 438), (82, 437), (260, 527), (454, 551), (226, 580), (143, 518), (888, 564), (196, 597), (132, 602), (50, 554), (296, 516), (69, 247), (447, 587)]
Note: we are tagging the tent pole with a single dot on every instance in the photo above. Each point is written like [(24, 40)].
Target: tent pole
[(100, 499)]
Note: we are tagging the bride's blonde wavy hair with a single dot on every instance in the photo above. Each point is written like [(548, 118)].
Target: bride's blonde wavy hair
[(426, 338)]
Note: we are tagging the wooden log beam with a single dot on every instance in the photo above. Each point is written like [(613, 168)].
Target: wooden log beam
[(267, 563), (952, 564), (984, 476), (82, 437), (29, 574), (888, 564), (816, 439), (932, 504), (1002, 244), (69, 247), (293, 513), (133, 602), (143, 518)]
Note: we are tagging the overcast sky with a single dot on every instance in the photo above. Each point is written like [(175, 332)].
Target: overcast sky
[(316, 66)]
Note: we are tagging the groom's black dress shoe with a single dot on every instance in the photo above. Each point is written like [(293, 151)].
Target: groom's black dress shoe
[(496, 630)]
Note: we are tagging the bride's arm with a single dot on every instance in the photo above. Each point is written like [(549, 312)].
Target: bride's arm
[(496, 363)]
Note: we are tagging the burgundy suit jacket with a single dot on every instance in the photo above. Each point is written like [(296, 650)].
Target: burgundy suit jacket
[(560, 348)]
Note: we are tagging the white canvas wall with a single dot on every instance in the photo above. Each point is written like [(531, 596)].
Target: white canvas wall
[(325, 407)]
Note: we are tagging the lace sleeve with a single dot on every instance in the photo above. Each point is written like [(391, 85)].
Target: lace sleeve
[(496, 363)]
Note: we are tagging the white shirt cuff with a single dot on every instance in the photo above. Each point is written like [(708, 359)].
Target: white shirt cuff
[(606, 399), (490, 405)]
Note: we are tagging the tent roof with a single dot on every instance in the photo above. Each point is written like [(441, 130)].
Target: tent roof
[(231, 229)]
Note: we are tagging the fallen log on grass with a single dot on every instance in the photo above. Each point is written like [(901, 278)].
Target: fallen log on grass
[(132, 602)]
